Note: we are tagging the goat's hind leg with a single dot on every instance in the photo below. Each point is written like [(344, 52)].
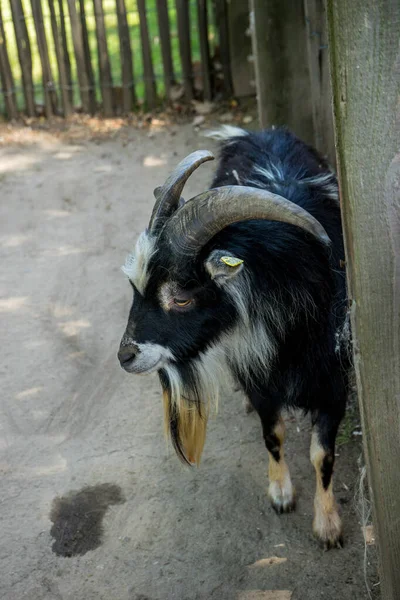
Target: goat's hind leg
[(327, 525)]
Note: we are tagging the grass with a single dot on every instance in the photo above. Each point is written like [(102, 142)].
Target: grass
[(112, 42)]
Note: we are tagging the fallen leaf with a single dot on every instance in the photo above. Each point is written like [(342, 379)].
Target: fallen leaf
[(265, 562), (198, 120), (369, 535), (226, 117), (203, 108), (265, 595)]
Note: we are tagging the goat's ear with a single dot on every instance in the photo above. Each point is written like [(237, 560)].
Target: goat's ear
[(223, 266)]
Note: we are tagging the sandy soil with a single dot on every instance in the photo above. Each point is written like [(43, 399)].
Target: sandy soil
[(75, 427)]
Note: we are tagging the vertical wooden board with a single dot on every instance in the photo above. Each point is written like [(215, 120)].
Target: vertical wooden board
[(76, 31), (204, 48), (125, 51), (221, 18), (104, 61), (240, 49), (165, 39), (365, 67), (50, 96), (320, 87), (24, 55), (280, 61), (65, 53), (148, 71), (6, 75), (87, 57), (66, 101), (185, 51)]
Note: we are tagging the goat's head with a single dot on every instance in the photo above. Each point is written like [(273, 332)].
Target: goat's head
[(187, 292)]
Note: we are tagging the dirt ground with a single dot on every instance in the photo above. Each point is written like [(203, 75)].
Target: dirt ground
[(94, 505)]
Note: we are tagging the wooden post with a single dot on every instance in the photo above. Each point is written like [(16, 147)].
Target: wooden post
[(104, 61), (204, 48), (221, 18), (365, 67), (7, 79), (88, 58), (148, 71), (240, 49), (125, 51), (76, 30), (280, 61), (320, 84), (50, 96), (24, 54), (185, 51), (165, 39), (65, 52), (66, 101)]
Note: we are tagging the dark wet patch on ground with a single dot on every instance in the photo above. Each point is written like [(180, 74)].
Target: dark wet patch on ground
[(78, 518)]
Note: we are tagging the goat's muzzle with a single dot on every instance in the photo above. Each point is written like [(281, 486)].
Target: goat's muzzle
[(127, 355)]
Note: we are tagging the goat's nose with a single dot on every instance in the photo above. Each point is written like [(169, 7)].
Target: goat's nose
[(126, 354)]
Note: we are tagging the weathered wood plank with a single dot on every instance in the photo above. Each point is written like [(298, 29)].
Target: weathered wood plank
[(240, 49), (204, 48), (7, 79), (66, 58), (125, 51), (320, 86), (165, 39), (223, 35), (58, 46), (148, 70), (76, 30), (24, 55), (280, 60), (365, 67), (104, 60), (50, 96), (185, 51)]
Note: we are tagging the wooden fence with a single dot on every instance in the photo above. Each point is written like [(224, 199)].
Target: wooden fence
[(57, 56)]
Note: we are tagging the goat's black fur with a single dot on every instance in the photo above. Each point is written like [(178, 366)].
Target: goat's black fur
[(292, 289)]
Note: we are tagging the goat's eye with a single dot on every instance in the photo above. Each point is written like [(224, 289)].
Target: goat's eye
[(182, 303)]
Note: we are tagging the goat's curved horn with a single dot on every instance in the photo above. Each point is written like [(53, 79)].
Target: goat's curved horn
[(205, 215), (168, 195)]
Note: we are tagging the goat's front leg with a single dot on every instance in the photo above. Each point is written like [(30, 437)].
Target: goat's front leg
[(327, 524), (280, 491)]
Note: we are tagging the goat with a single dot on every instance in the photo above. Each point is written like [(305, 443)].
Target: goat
[(247, 280)]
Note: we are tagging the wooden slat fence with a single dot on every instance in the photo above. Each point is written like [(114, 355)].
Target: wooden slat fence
[(110, 56)]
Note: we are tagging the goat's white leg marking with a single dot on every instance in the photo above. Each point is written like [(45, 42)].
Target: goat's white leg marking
[(327, 525), (280, 491)]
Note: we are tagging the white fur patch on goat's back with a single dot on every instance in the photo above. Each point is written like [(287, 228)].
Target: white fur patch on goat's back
[(136, 264), (226, 132), (326, 181)]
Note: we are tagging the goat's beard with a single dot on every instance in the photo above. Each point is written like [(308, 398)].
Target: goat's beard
[(186, 423), (190, 391)]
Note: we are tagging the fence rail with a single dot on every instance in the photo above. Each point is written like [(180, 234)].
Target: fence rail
[(57, 56)]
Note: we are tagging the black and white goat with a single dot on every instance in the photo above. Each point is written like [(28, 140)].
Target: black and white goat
[(247, 279)]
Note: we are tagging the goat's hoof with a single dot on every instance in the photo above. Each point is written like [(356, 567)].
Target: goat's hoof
[(283, 499), (328, 531)]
